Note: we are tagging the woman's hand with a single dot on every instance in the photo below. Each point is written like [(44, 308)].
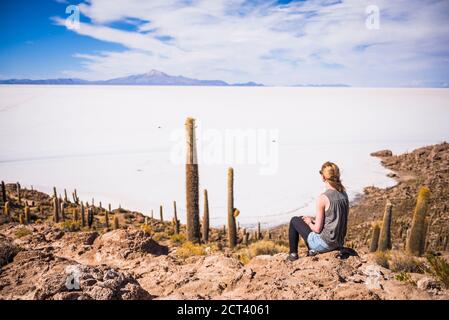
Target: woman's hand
[(308, 220)]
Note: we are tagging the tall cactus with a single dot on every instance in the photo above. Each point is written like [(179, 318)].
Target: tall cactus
[(161, 213), (19, 196), (26, 214), (62, 211), (6, 208), (245, 237), (116, 222), (375, 238), (206, 218), (385, 230), (66, 199), (55, 210), (75, 214), (232, 229), (4, 199), (417, 235), (90, 217), (192, 184), (175, 219), (106, 217), (259, 233), (83, 216)]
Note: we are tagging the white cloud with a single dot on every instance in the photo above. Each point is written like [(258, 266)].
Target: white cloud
[(303, 42)]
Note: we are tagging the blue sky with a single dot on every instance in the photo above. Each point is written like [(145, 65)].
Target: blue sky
[(273, 42)]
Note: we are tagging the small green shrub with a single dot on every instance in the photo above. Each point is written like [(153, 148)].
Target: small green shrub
[(265, 247), (178, 238), (439, 268), (404, 263), (189, 249), (71, 226), (147, 229), (22, 232), (381, 258), (403, 277)]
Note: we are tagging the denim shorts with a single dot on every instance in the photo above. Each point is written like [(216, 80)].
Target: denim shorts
[(316, 243)]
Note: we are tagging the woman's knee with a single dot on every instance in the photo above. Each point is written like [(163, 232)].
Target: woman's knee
[(294, 220)]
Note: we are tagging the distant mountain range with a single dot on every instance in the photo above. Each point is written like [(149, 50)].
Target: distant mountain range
[(336, 85), (152, 78)]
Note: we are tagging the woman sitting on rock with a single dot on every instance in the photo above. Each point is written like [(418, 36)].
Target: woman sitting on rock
[(327, 230)]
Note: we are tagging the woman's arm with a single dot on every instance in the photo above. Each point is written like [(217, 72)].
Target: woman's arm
[(317, 225)]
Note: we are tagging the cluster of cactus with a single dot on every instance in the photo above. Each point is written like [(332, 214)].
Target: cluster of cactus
[(232, 229), (192, 184), (205, 232), (416, 241)]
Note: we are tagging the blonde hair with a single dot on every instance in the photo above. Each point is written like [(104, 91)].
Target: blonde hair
[(331, 174)]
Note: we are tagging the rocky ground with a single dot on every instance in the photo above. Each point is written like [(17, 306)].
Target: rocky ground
[(128, 264), (147, 260)]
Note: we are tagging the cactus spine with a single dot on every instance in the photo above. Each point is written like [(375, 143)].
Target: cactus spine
[(232, 229), (385, 230), (206, 218), (4, 192), (176, 221), (417, 236), (375, 238), (192, 184)]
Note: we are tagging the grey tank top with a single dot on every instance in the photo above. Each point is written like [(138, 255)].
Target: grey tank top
[(335, 219)]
